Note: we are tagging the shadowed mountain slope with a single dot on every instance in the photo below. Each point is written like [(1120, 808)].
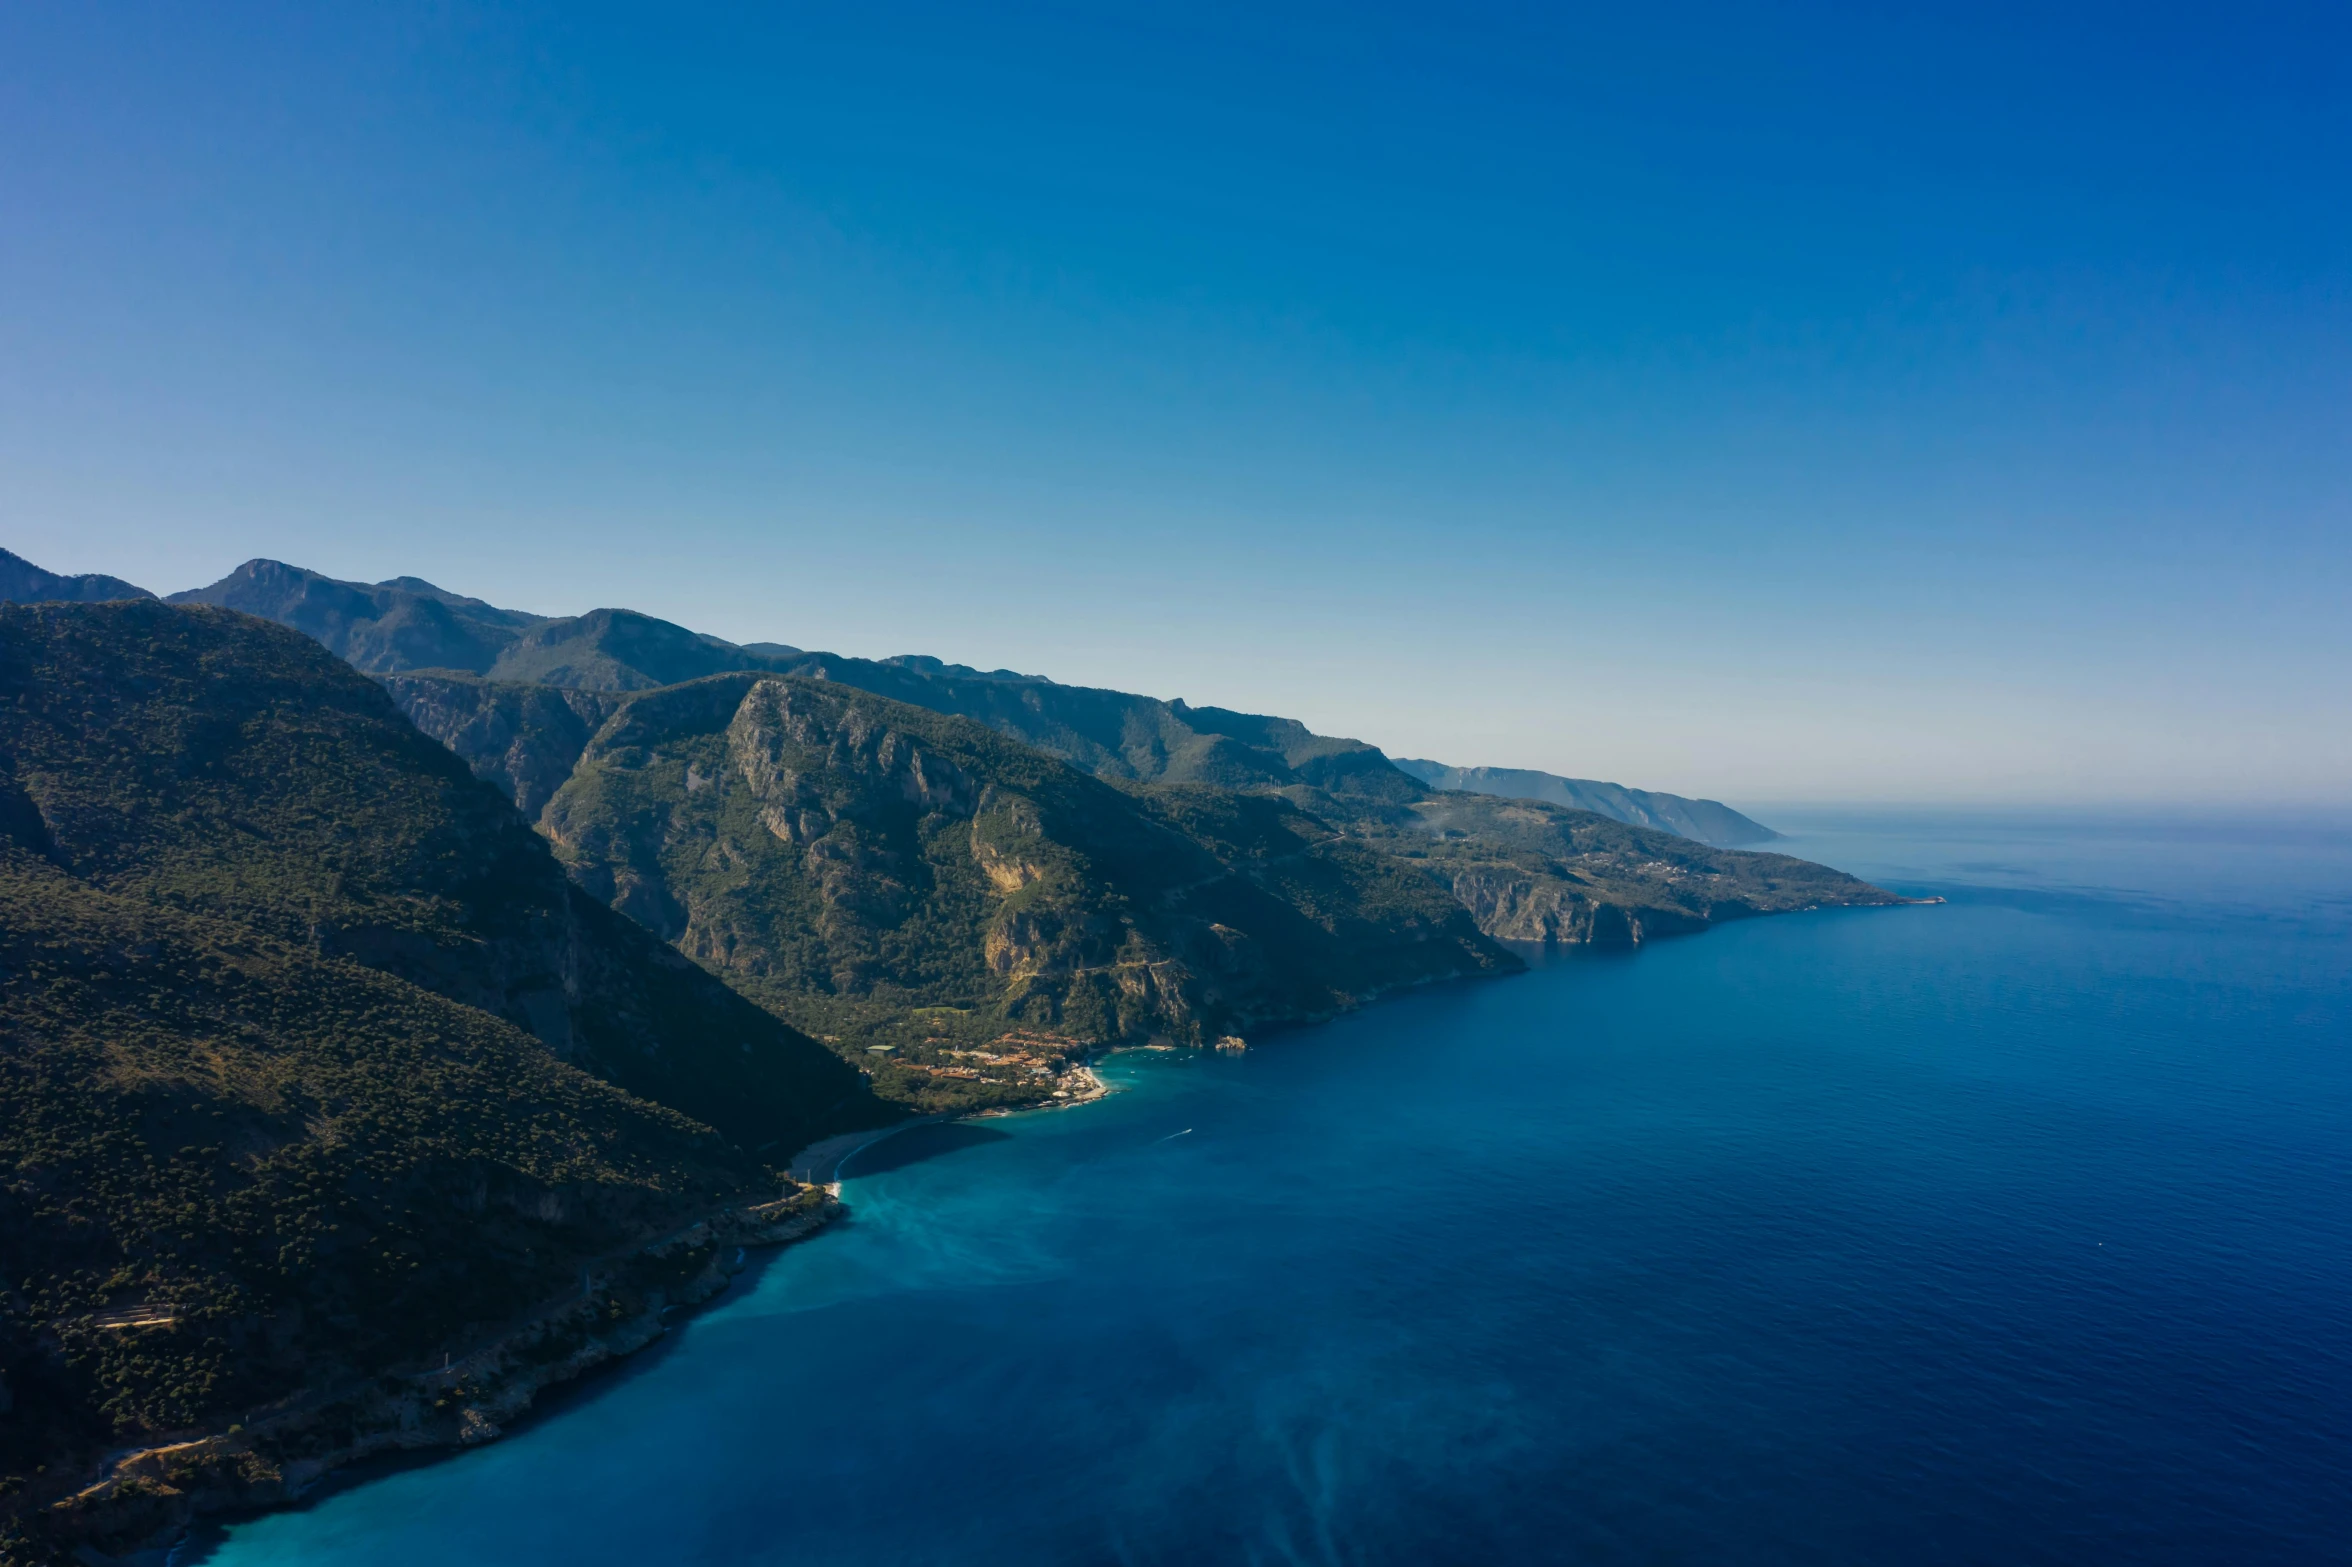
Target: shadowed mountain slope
[(406, 623), (228, 767), (22, 582), (232, 1170), (1708, 821)]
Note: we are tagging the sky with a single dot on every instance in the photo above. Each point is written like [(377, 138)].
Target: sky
[(1772, 403)]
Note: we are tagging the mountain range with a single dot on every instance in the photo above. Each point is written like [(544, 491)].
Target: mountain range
[(375, 963), (407, 625)]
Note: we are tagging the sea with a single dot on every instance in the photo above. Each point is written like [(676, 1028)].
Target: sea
[(2011, 1229)]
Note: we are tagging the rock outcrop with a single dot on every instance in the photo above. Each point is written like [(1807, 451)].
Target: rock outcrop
[(819, 845), (525, 739)]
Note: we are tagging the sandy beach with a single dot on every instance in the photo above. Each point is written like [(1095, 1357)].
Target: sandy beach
[(819, 1164)]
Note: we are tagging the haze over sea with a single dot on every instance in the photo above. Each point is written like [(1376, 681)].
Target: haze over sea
[(2016, 1229)]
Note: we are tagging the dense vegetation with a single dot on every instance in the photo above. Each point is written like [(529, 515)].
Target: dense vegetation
[(231, 1169), (403, 624), (312, 1059), (225, 766), (22, 582)]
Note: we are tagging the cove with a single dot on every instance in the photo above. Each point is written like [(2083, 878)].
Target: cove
[(2013, 1229)]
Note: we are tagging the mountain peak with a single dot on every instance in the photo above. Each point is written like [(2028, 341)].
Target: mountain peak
[(22, 582)]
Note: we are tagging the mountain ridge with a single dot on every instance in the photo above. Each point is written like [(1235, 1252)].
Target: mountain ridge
[(22, 582), (1114, 734), (1708, 821)]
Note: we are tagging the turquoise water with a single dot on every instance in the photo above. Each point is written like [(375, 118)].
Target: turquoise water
[(2013, 1230)]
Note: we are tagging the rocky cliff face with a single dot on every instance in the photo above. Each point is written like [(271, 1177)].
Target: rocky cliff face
[(1529, 871), (823, 845), (1510, 904), (524, 739)]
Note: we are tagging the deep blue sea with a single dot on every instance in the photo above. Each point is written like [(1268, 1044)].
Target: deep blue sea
[(2012, 1230)]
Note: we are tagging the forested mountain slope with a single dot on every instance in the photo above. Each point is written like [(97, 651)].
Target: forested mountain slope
[(1504, 859), (22, 582), (233, 1171), (313, 1061), (406, 623), (218, 764)]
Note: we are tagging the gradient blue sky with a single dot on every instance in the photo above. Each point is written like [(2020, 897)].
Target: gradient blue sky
[(1774, 402)]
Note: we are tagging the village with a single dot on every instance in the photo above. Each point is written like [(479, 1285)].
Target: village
[(1018, 1057)]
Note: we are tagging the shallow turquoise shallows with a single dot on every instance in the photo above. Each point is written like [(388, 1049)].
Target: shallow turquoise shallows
[(2012, 1230)]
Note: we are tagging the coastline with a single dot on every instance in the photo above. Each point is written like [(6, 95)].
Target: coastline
[(819, 1164), (141, 1503)]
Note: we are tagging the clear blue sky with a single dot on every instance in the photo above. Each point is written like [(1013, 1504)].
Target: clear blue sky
[(1772, 402)]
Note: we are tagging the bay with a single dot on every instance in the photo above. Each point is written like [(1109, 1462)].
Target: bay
[(2016, 1228)]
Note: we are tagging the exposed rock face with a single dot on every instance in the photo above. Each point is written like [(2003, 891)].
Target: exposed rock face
[(525, 739), (779, 728), (1519, 907), (1515, 908), (1531, 871), (805, 836)]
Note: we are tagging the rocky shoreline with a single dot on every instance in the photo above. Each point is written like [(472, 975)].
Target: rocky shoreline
[(143, 1501)]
